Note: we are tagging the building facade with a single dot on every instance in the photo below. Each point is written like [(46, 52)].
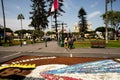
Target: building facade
[(76, 27)]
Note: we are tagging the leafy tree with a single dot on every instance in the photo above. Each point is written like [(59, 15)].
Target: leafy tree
[(7, 30), (83, 22), (50, 33), (23, 31), (102, 29), (37, 34), (30, 31), (114, 17), (39, 15)]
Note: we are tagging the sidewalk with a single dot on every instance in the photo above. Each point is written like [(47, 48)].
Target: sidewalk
[(52, 47)]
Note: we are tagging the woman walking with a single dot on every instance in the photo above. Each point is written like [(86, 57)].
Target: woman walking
[(66, 43)]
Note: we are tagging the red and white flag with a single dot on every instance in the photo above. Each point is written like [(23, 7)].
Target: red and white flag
[(54, 6)]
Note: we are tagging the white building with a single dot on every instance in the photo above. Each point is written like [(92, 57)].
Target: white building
[(76, 27)]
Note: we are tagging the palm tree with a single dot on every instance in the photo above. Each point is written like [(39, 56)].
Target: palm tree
[(20, 17), (111, 1), (83, 22), (106, 21), (4, 21)]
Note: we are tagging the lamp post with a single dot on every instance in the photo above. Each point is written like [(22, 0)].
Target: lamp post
[(20, 16)]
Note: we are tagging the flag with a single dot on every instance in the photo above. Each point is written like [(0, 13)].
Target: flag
[(54, 6)]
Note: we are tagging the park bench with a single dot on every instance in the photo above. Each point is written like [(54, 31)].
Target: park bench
[(98, 44)]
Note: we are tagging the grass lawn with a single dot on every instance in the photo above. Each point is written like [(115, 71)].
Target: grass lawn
[(87, 44), (113, 44)]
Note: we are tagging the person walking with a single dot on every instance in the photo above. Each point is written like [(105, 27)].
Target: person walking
[(69, 43), (66, 43)]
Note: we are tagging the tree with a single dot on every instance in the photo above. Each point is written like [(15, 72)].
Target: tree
[(7, 30), (102, 29), (83, 22), (114, 17), (39, 15), (21, 17), (23, 31)]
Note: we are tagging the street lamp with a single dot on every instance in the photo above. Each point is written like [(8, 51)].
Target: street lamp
[(20, 16)]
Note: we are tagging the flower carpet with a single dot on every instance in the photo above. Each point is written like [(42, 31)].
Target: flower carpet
[(60, 68)]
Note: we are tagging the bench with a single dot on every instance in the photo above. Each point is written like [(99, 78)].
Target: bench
[(98, 44)]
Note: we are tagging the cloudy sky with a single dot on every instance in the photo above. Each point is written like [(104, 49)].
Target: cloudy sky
[(93, 8)]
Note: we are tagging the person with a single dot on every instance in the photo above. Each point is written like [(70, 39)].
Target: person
[(70, 42), (45, 42), (66, 43)]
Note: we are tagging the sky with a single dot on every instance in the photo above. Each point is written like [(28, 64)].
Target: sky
[(93, 8)]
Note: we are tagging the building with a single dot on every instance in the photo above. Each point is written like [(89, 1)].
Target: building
[(76, 27)]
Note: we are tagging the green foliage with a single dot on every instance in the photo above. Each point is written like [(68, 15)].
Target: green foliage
[(113, 18), (87, 44), (23, 31), (81, 44), (83, 22), (102, 29), (6, 29), (39, 14), (20, 16), (50, 33), (37, 34)]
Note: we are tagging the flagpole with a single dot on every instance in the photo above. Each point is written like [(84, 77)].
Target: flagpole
[(56, 24), (51, 22), (54, 9)]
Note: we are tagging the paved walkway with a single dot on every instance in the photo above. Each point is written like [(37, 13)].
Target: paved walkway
[(52, 47)]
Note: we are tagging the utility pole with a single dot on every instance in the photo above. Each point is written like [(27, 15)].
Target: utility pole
[(4, 21)]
